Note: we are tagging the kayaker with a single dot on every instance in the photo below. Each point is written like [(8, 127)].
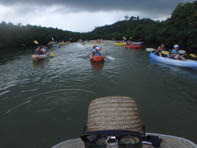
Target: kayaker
[(40, 50), (175, 53), (96, 51), (160, 49), (44, 49)]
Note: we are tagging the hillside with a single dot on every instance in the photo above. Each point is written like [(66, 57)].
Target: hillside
[(180, 28)]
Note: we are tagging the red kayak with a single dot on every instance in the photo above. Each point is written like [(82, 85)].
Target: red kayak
[(99, 58), (133, 46)]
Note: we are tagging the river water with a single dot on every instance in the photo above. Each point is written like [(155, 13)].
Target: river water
[(42, 104)]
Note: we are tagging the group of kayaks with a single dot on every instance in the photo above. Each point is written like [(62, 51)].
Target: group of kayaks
[(40, 57), (166, 60), (132, 45)]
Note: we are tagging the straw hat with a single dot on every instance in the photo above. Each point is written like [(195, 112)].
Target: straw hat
[(113, 113)]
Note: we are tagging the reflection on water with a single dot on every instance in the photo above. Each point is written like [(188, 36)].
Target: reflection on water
[(40, 63), (98, 66), (44, 103), (190, 72)]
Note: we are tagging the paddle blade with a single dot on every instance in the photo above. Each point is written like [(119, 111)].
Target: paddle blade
[(150, 49), (52, 54), (193, 55), (182, 51), (110, 58), (165, 52), (36, 42)]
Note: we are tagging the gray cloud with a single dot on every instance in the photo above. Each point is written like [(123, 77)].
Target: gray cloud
[(147, 6), (82, 15)]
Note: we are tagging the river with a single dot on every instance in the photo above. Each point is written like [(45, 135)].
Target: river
[(42, 104)]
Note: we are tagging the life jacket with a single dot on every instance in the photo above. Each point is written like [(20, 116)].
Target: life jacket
[(174, 51), (40, 51), (96, 52)]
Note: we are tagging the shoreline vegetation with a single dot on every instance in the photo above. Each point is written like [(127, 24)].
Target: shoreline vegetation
[(180, 28)]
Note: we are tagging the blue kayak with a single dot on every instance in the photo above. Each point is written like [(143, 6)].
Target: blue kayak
[(169, 61)]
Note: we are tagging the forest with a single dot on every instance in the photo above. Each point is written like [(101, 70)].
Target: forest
[(180, 28)]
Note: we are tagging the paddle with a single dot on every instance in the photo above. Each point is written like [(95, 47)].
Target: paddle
[(193, 55), (182, 51), (36, 42), (52, 54), (165, 52), (150, 49)]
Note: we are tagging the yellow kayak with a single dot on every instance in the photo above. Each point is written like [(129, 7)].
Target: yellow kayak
[(120, 44)]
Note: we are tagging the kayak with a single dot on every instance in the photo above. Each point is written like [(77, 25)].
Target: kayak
[(120, 44), (137, 43), (97, 66), (169, 61), (96, 42), (99, 58), (63, 43), (37, 57), (133, 46), (167, 141)]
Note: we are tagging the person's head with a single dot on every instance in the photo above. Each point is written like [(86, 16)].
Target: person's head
[(176, 46), (97, 48), (162, 45), (94, 46)]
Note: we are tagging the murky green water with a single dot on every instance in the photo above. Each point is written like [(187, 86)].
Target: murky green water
[(42, 104)]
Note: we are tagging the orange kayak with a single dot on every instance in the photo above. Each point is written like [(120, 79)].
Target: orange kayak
[(99, 58)]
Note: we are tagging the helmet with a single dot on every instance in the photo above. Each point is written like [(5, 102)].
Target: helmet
[(97, 48), (176, 46)]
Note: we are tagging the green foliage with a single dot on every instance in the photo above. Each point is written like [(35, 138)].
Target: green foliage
[(180, 28), (146, 29), (23, 36)]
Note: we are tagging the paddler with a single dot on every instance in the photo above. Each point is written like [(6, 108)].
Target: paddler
[(96, 51)]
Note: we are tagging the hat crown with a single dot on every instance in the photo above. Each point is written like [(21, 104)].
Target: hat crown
[(113, 113)]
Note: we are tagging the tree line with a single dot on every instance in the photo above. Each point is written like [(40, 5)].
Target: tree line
[(180, 28)]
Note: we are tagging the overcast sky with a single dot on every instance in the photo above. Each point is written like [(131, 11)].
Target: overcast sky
[(82, 15)]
